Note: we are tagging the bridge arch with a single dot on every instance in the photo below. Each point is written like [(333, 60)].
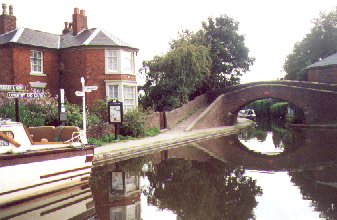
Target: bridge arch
[(317, 104)]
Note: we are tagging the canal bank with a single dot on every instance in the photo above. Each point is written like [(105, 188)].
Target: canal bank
[(168, 139)]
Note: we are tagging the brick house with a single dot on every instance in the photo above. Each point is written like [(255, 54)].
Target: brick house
[(324, 71), (49, 61)]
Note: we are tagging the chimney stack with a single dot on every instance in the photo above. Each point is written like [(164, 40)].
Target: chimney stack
[(7, 21), (79, 21)]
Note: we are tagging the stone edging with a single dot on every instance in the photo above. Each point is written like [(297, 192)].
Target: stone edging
[(141, 150)]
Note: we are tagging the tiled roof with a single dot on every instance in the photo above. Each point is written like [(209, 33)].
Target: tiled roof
[(38, 38), (93, 37), (328, 61)]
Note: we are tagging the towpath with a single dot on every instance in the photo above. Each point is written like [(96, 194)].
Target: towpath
[(168, 139)]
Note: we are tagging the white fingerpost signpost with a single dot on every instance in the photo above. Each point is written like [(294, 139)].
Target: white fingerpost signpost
[(82, 93)]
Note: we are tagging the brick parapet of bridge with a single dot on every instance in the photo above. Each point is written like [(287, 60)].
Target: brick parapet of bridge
[(175, 116)]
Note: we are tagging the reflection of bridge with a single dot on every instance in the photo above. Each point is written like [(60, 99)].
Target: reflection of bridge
[(316, 100), (319, 147)]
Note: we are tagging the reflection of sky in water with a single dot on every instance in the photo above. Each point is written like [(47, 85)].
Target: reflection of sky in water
[(265, 147), (152, 212), (281, 200)]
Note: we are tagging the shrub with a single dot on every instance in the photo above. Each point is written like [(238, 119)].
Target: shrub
[(279, 109), (134, 123), (33, 112)]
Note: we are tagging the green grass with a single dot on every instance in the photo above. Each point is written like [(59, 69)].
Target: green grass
[(110, 138)]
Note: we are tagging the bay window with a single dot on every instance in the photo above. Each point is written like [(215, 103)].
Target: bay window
[(119, 61), (123, 91), (111, 60), (113, 92), (129, 97)]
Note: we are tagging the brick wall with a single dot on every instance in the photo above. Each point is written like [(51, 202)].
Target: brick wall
[(89, 63), (22, 69), (323, 75), (6, 65), (153, 120), (176, 115)]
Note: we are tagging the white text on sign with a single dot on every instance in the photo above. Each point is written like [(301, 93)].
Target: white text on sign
[(21, 95)]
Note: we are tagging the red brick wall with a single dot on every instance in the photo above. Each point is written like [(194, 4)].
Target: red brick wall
[(22, 68), (78, 62), (89, 63), (315, 75), (6, 65)]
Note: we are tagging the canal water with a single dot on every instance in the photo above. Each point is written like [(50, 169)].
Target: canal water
[(267, 172)]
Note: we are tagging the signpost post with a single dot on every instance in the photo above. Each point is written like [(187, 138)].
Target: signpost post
[(82, 93), (115, 111)]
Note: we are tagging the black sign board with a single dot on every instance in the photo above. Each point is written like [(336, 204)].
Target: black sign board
[(115, 111)]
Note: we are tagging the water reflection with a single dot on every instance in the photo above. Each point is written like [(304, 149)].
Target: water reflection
[(219, 178), (199, 190), (272, 137), (318, 183)]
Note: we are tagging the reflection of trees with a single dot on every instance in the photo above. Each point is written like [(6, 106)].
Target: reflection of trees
[(311, 183), (195, 190), (285, 138)]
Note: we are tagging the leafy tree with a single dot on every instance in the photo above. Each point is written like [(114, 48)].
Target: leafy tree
[(174, 76), (230, 56), (213, 57), (318, 44)]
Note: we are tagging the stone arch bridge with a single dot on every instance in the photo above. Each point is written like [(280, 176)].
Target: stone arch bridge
[(318, 102)]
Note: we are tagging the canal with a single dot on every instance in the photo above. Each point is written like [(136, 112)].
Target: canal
[(266, 172)]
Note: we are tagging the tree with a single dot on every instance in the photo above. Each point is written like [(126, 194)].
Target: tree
[(213, 57), (318, 44), (229, 55), (174, 76)]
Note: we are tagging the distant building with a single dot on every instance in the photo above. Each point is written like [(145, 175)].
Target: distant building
[(324, 71), (48, 61)]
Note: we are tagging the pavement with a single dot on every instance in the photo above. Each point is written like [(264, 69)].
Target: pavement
[(168, 139)]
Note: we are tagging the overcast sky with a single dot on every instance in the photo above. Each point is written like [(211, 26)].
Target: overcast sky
[(270, 27)]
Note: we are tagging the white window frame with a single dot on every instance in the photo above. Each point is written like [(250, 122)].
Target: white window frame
[(121, 60), (121, 85), (127, 57), (127, 106), (107, 70), (31, 58)]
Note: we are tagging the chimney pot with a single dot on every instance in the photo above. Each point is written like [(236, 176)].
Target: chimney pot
[(11, 10), (4, 9), (65, 25), (82, 12), (76, 11)]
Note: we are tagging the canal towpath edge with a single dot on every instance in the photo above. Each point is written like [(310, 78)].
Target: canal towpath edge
[(169, 139)]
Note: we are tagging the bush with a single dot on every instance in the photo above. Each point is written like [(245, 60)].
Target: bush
[(279, 109), (133, 123), (33, 112)]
